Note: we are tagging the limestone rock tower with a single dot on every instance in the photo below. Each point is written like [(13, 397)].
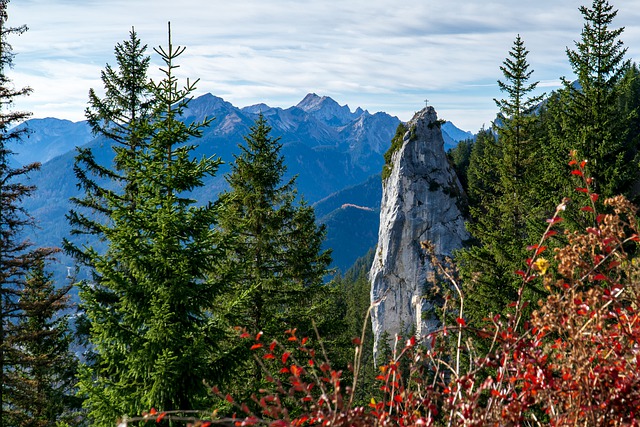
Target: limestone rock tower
[(421, 201)]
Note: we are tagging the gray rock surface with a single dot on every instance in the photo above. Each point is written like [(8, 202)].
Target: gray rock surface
[(421, 202)]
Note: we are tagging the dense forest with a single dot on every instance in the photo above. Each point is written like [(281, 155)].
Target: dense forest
[(221, 314)]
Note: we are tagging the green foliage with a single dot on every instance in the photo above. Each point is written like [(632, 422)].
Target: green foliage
[(460, 157), (396, 143), (42, 385), (585, 115), (274, 261), (501, 176), (150, 302), (352, 300), (34, 380)]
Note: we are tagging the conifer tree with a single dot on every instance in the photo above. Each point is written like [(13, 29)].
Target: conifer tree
[(277, 257), (501, 191), (17, 257), (122, 117), (151, 326), (586, 117), (42, 384)]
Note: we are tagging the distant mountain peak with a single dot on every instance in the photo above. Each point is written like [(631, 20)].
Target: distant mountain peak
[(313, 102), (327, 110), (256, 108)]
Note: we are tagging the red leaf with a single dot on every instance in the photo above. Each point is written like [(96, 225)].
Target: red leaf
[(229, 398), (272, 345), (594, 197), (268, 356), (550, 233), (304, 340), (256, 346), (245, 335), (397, 398), (532, 247), (582, 190), (599, 218), (285, 357), (284, 370), (461, 321), (573, 162), (521, 273), (583, 164), (587, 209), (540, 250), (554, 220), (259, 335), (153, 411), (296, 370), (600, 276), (161, 416), (356, 341), (577, 172)]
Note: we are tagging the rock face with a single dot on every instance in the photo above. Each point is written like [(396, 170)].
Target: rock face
[(421, 202)]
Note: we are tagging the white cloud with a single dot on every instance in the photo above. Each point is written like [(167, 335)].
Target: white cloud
[(378, 54)]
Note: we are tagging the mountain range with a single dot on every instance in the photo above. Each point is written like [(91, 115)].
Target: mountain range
[(336, 154)]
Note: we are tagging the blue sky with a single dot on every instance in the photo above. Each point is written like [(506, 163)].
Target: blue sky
[(381, 55)]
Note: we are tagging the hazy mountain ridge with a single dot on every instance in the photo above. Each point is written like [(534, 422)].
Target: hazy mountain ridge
[(329, 147), (49, 138)]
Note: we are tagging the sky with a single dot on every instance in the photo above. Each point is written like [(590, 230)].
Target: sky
[(381, 55)]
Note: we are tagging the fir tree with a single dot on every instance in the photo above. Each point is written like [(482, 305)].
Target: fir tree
[(122, 117), (42, 384), (277, 257), (590, 121), (151, 325), (20, 341), (502, 192)]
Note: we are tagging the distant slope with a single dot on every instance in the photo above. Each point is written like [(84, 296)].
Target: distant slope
[(49, 138), (352, 218), (351, 232)]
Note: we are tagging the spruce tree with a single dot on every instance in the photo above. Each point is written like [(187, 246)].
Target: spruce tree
[(502, 192), (276, 256), (152, 328)]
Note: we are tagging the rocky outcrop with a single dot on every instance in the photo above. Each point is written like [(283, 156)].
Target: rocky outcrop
[(421, 201)]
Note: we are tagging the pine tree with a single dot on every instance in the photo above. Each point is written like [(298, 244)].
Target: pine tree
[(501, 190), (277, 259), (150, 309), (42, 384)]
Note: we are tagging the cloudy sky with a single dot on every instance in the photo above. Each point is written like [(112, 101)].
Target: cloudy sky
[(382, 55)]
